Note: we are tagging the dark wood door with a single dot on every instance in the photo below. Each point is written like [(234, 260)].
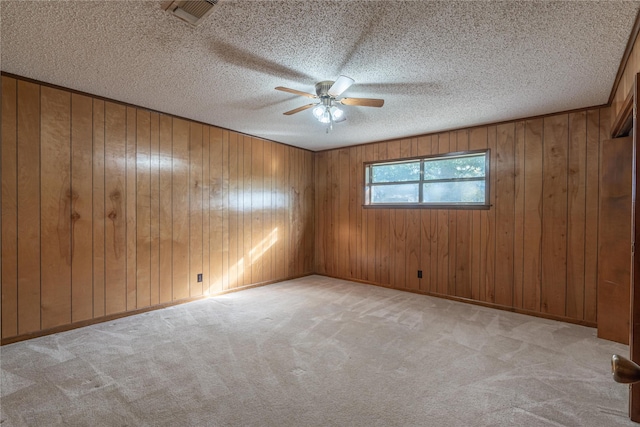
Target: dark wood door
[(614, 225)]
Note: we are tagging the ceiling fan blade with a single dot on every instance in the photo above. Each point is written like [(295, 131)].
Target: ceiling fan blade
[(340, 85), (363, 102), (297, 110), (296, 92)]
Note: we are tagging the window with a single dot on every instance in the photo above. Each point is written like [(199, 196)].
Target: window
[(454, 180)]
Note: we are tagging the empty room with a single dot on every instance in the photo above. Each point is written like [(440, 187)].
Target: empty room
[(319, 213)]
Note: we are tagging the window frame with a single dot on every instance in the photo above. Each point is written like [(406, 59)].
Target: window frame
[(366, 200)]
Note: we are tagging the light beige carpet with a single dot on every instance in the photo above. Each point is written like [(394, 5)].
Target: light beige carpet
[(316, 352)]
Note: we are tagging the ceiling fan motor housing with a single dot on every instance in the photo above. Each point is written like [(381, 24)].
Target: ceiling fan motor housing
[(322, 88)]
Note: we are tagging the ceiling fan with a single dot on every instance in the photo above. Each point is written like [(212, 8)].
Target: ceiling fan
[(326, 111)]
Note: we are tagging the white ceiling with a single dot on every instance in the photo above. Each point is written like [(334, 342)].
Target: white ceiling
[(438, 65)]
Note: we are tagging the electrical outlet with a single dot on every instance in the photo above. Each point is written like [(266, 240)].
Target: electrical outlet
[(200, 277), (419, 274)]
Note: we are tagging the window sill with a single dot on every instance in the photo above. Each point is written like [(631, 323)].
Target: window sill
[(426, 206)]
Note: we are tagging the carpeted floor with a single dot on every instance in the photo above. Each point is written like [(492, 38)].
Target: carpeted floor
[(316, 352)]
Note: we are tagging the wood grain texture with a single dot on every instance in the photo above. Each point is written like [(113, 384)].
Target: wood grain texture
[(246, 252), (532, 223), (267, 210), (195, 209), (166, 209), (505, 200), (554, 225), (226, 206), (519, 200), (543, 172), (154, 209), (626, 83), (614, 223), (56, 200), (477, 141), (115, 231), (442, 236), (82, 208), (206, 216), (463, 242), (180, 212), (596, 129), (108, 208), (234, 262), (143, 209), (9, 209), (99, 209), (423, 149), (216, 209), (130, 210), (576, 197), (258, 246), (29, 202)]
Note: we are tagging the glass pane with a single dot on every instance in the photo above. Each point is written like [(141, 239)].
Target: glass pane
[(402, 193), (456, 167), (454, 192), (396, 172)]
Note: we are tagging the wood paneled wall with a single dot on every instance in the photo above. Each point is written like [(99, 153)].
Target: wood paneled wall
[(535, 250), (108, 208), (627, 79)]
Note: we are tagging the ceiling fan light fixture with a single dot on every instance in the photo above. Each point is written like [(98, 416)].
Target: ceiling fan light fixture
[(337, 114), (326, 116), (318, 110)]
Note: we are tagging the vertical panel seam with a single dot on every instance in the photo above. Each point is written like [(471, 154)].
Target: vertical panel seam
[(39, 190), (566, 223), (71, 208)]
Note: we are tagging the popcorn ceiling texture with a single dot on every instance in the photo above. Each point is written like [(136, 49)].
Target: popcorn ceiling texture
[(438, 65)]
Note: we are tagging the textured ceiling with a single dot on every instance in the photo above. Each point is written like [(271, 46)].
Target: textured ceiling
[(438, 65)]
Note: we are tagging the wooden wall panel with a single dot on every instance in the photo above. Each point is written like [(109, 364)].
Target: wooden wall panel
[(180, 213), (206, 215), (143, 209), (442, 237), (426, 237), (477, 141), (56, 201), (154, 209), (463, 236), (626, 84), (216, 206), (109, 209), (576, 185), (115, 201), (245, 229), (554, 213), (505, 200), (82, 208), (257, 248), (99, 209), (130, 211), (29, 215), (532, 222), (195, 209), (165, 213), (522, 253), (597, 131), (234, 198), (267, 209), (9, 223), (518, 215)]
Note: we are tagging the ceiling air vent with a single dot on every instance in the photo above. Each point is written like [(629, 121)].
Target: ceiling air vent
[(191, 11)]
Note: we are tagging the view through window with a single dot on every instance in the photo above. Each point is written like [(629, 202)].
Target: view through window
[(446, 180)]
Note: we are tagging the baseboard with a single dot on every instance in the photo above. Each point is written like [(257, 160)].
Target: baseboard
[(474, 302), (89, 322)]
